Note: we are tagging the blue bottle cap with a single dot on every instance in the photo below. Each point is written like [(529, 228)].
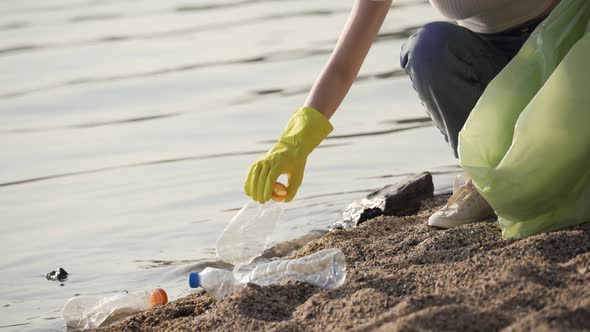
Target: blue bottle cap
[(194, 280)]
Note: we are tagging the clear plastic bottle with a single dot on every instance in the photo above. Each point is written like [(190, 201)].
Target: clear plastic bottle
[(84, 312), (217, 282), (325, 269), (248, 234)]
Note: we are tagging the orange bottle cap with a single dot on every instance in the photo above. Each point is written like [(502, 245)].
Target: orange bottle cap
[(279, 192), (158, 297)]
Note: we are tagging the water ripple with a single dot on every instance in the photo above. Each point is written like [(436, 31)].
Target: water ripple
[(94, 17), (213, 6), (424, 119), (378, 132), (207, 156), (369, 133), (12, 26), (13, 325), (276, 56), (131, 165), (19, 48), (282, 55), (165, 34), (141, 164), (297, 90), (89, 124), (45, 9)]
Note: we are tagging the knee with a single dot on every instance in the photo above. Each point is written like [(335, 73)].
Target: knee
[(423, 55)]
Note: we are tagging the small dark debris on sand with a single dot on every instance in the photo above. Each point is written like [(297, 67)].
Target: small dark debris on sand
[(58, 274), (406, 276)]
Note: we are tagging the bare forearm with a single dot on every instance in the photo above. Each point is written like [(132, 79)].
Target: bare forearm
[(345, 62), (329, 90)]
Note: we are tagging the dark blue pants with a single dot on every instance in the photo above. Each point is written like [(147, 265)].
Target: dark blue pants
[(450, 67)]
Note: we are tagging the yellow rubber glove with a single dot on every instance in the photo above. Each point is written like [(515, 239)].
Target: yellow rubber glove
[(306, 129)]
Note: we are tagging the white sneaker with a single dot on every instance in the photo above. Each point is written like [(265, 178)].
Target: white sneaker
[(465, 206)]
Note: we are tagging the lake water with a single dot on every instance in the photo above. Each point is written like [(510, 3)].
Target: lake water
[(128, 127)]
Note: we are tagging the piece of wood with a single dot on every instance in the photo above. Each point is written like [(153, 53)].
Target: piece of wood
[(401, 199)]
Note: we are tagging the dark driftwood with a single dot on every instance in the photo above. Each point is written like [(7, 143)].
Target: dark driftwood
[(404, 198), (401, 199)]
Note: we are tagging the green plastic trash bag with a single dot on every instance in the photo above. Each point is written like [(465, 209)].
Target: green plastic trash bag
[(526, 144)]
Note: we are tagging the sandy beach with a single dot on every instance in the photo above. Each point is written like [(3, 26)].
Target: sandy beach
[(406, 276)]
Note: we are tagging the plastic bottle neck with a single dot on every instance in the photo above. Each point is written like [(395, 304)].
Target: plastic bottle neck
[(194, 280)]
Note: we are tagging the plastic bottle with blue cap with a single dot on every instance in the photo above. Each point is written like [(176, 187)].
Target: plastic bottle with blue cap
[(325, 269)]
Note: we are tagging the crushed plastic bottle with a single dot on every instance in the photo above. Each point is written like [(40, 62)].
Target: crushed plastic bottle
[(325, 269), (83, 313), (248, 234)]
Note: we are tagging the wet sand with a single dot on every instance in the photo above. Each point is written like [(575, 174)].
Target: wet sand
[(406, 276)]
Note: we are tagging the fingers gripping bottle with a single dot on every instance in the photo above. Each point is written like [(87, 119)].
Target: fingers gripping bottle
[(84, 313), (306, 129)]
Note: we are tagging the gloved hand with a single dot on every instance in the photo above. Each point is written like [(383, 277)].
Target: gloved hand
[(306, 129)]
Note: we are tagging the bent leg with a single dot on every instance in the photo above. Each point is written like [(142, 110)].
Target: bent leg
[(450, 67)]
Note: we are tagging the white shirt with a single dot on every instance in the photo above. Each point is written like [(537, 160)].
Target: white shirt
[(489, 16)]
